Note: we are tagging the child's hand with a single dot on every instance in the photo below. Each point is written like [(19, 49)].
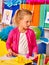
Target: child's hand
[(34, 55), (10, 52), (14, 54)]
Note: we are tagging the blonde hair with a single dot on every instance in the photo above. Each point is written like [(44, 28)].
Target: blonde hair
[(19, 14)]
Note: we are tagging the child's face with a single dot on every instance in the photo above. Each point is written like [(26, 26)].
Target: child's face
[(25, 22)]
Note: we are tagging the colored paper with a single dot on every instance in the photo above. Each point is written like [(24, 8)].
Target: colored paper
[(42, 59), (36, 15), (27, 6), (35, 1), (47, 1), (20, 60), (39, 1), (29, 1), (42, 15), (39, 56)]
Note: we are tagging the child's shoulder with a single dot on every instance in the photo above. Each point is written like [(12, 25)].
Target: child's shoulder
[(30, 30), (14, 30)]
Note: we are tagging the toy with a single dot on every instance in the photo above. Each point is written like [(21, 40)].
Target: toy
[(42, 48), (3, 49), (37, 32), (4, 32)]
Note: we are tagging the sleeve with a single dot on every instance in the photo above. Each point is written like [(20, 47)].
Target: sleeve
[(33, 42), (9, 40)]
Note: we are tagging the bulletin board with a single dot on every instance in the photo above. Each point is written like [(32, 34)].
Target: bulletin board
[(38, 8)]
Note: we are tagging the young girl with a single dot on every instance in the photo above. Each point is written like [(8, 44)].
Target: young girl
[(21, 40)]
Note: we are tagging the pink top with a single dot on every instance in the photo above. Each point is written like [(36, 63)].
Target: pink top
[(13, 41)]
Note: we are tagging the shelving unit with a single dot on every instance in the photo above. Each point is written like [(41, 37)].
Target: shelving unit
[(46, 32)]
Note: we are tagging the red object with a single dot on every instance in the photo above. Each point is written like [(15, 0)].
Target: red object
[(46, 60), (35, 1), (35, 60), (47, 1)]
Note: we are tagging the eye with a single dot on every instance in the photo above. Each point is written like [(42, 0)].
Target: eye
[(27, 21)]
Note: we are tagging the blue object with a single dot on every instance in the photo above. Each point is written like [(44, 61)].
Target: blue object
[(10, 3), (13, 8), (4, 32), (34, 63), (44, 39), (42, 31), (23, 1), (32, 55), (42, 48)]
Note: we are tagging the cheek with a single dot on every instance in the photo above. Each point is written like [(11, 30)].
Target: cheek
[(28, 23), (24, 23)]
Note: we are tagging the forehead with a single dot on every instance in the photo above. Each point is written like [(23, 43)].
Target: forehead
[(28, 17)]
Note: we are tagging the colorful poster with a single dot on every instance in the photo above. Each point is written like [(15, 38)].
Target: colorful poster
[(47, 18), (46, 25), (7, 14), (14, 8)]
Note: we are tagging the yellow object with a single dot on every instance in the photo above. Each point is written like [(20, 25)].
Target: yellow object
[(39, 56), (3, 49), (20, 60)]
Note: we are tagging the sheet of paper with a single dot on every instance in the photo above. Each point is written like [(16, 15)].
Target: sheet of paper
[(5, 58), (7, 16), (47, 18)]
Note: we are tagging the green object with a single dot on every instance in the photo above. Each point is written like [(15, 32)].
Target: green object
[(42, 15), (44, 8), (37, 32), (42, 59)]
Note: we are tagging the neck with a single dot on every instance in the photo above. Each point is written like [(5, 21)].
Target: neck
[(21, 29)]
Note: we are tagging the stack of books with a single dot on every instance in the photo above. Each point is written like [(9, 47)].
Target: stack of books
[(41, 59)]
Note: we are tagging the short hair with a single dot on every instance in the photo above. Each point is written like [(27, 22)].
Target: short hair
[(19, 14)]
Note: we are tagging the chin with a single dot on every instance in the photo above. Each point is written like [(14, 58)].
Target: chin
[(26, 28)]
